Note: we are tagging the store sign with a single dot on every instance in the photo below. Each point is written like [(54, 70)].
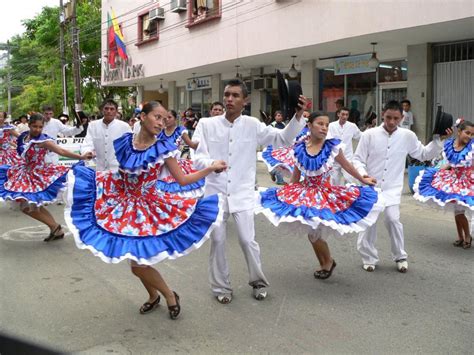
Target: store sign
[(124, 69), (203, 82), (355, 64), (73, 144)]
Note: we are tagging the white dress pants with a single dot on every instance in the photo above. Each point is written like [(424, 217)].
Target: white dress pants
[(218, 266), (339, 176), (367, 239)]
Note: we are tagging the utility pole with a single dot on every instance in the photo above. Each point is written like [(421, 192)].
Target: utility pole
[(76, 63), (9, 81), (62, 24)]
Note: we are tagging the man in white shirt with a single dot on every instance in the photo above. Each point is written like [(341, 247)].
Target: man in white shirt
[(407, 120), (345, 131), (381, 153), (53, 127), (234, 138), (23, 125), (101, 135)]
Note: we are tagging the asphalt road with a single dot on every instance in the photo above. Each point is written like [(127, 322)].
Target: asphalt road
[(58, 296)]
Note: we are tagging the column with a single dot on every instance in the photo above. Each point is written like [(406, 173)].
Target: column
[(419, 88), (310, 81)]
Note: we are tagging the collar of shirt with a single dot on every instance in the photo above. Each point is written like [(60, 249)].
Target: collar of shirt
[(227, 122)]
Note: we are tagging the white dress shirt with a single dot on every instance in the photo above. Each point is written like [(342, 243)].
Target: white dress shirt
[(346, 133), (22, 127), (407, 120), (52, 128), (100, 140), (236, 143), (383, 155)]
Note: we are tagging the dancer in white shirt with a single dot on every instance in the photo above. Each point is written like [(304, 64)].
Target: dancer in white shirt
[(381, 153), (234, 137), (345, 131), (53, 127), (101, 135)]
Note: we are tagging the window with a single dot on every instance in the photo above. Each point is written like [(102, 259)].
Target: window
[(200, 11), (147, 28)]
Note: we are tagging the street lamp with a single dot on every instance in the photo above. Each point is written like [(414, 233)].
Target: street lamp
[(161, 90), (194, 83), (373, 62), (293, 73)]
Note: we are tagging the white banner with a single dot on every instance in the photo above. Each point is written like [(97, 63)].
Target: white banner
[(73, 144)]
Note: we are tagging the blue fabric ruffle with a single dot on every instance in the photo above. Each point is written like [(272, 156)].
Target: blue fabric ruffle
[(21, 145), (314, 162), (358, 210), (38, 198), (457, 157), (303, 133), (174, 137), (116, 246), (425, 189), (174, 187), (131, 159), (267, 156)]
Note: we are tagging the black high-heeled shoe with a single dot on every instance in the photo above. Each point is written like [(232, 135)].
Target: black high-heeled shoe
[(53, 235), (176, 309)]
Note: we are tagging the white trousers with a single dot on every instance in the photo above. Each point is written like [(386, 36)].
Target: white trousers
[(218, 266), (367, 239), (339, 176)]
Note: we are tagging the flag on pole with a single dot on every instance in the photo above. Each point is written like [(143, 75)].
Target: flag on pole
[(119, 41)]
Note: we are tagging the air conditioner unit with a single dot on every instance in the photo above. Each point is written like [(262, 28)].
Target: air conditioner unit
[(259, 84), (156, 14), (271, 83), (178, 5)]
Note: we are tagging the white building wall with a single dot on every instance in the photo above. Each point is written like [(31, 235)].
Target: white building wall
[(252, 28)]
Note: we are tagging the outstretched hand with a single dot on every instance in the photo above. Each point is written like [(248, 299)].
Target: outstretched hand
[(369, 180), (87, 156), (219, 166)]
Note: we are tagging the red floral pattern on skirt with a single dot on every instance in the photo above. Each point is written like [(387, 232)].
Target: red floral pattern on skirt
[(317, 192), (129, 204), (455, 181)]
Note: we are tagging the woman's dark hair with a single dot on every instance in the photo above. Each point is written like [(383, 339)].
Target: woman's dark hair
[(36, 117), (150, 106), (315, 115), (173, 113), (464, 124)]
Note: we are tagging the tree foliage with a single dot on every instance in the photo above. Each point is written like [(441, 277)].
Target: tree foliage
[(35, 63)]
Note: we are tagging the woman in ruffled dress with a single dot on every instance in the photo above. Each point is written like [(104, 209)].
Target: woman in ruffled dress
[(452, 186), (34, 183), (313, 202), (8, 136), (178, 135), (123, 216)]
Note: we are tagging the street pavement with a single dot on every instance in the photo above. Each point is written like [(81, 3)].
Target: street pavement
[(63, 298)]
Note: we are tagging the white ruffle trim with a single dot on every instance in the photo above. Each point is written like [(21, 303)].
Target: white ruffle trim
[(154, 260), (433, 202), (315, 222)]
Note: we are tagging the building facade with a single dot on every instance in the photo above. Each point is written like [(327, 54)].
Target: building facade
[(183, 52)]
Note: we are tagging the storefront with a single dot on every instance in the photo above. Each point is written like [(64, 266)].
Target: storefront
[(354, 84)]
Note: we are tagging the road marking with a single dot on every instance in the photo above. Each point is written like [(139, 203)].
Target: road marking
[(28, 234)]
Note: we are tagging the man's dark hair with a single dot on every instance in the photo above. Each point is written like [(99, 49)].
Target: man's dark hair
[(406, 102), (47, 108), (238, 82), (109, 102), (344, 108), (217, 103), (393, 105)]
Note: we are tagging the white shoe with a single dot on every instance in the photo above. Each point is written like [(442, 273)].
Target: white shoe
[(369, 267), (402, 266), (259, 292)]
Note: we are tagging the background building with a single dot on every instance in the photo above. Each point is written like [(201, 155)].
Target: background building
[(183, 52)]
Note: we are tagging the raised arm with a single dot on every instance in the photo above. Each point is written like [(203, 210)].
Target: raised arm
[(50, 145), (69, 131)]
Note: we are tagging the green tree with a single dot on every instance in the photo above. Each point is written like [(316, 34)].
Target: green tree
[(36, 67)]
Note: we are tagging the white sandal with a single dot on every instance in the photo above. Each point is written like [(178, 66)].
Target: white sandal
[(369, 267), (402, 266)]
